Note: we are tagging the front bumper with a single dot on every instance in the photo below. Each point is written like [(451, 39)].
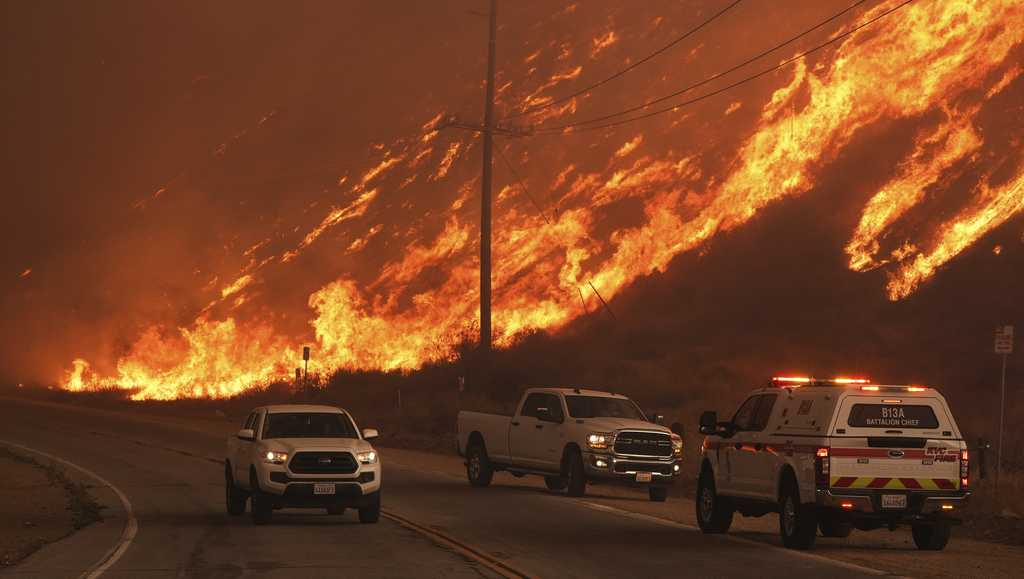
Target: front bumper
[(921, 505), (624, 469)]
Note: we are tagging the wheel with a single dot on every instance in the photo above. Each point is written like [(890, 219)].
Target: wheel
[(371, 513), (798, 523), (577, 483), (335, 510), (933, 537), (832, 526), (714, 512), (478, 466), (555, 483), (262, 505), (658, 494), (234, 497)]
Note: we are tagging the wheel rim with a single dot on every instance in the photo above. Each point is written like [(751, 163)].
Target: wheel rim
[(707, 504), (474, 466), (788, 516)]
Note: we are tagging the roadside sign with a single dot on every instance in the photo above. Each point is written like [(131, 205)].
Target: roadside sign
[(1004, 340), (305, 352)]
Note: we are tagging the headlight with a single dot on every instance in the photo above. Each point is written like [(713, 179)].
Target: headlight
[(677, 445), (368, 457), (599, 440), (275, 457)]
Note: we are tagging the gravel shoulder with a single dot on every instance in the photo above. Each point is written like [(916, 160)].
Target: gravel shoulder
[(39, 504)]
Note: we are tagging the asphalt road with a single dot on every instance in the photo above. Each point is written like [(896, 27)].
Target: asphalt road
[(172, 483)]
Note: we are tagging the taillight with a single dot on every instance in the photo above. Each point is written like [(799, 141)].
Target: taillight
[(965, 469), (821, 468)]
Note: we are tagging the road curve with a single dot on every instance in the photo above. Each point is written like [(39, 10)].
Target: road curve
[(440, 527)]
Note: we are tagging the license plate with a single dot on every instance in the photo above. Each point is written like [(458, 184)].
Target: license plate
[(643, 477), (894, 501), (323, 489)]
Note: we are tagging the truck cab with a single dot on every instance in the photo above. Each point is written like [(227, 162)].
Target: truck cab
[(836, 455), (571, 437)]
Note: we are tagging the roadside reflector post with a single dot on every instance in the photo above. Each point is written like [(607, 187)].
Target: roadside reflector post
[(1004, 346)]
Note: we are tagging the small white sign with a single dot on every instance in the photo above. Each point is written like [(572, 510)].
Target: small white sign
[(1004, 340)]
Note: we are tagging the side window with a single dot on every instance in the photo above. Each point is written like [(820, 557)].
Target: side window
[(764, 411), (532, 403), (744, 417), (554, 406), (257, 422), (249, 420)]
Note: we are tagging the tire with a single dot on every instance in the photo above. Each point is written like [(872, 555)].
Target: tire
[(577, 477), (834, 527), (555, 483), (234, 497), (657, 494), (335, 510), (798, 523), (714, 512), (478, 467), (262, 505), (371, 513), (933, 537)]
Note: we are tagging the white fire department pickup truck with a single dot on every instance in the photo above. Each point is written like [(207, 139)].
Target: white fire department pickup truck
[(834, 455), (571, 437), (303, 456)]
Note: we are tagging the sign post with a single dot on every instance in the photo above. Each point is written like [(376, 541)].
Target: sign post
[(305, 371), (1004, 346)]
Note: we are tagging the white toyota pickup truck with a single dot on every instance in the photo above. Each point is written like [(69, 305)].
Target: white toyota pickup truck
[(571, 437), (302, 456)]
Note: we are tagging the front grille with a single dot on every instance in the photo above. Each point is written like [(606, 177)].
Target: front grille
[(323, 463), (643, 444), (621, 466)]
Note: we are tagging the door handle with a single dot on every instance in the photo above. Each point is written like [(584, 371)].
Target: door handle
[(738, 445), (515, 424), (539, 426)]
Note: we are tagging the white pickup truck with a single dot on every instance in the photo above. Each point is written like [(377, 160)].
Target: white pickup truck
[(571, 437), (304, 456)]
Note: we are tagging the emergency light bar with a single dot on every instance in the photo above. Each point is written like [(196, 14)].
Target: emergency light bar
[(794, 381)]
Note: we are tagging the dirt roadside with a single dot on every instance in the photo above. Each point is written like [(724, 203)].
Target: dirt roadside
[(39, 504)]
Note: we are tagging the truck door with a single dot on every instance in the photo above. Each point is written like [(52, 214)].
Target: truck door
[(524, 430), (736, 450), (240, 453), (764, 458)]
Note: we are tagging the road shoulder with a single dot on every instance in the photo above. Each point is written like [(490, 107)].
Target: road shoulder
[(39, 504)]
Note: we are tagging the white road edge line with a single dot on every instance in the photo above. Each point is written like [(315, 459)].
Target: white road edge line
[(734, 538), (131, 527)]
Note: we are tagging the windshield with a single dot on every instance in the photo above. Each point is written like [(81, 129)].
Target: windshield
[(309, 425), (602, 407)]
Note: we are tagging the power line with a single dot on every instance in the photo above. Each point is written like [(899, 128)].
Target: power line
[(559, 128), (687, 34), (522, 186)]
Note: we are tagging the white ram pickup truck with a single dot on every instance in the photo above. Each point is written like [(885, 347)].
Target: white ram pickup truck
[(302, 456), (571, 437)]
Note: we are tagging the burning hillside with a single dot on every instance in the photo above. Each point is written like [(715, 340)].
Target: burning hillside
[(379, 270)]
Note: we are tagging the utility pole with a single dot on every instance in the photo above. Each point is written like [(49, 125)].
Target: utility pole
[(485, 191), (488, 129), (1004, 346)]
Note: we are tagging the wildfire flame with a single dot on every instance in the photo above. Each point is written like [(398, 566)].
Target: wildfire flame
[(939, 63)]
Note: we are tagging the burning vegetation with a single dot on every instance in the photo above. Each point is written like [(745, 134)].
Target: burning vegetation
[(600, 207)]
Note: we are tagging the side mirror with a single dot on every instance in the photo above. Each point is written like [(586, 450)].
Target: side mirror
[(709, 422), (370, 433), (246, 434), (656, 418)]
